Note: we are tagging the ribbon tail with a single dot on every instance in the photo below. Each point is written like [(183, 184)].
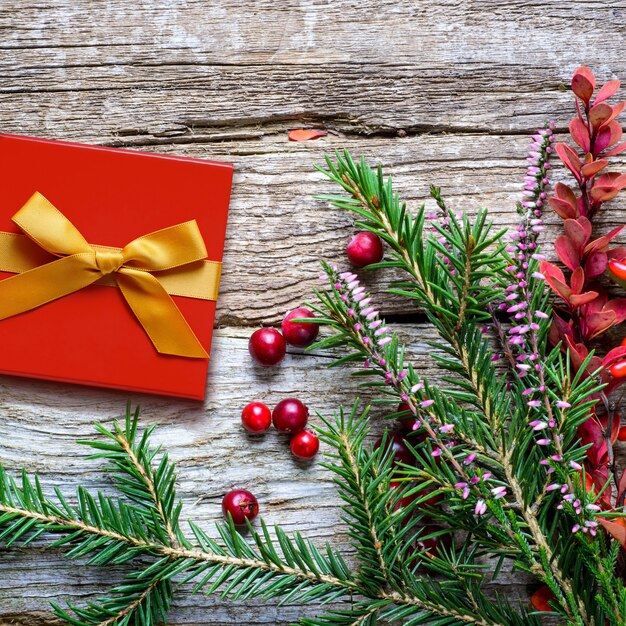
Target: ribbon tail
[(43, 284), (158, 314)]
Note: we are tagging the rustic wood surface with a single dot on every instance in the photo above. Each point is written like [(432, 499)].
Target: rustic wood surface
[(439, 92)]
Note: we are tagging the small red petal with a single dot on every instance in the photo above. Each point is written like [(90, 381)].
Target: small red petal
[(303, 134)]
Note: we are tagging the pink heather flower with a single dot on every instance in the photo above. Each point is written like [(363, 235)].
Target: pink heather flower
[(358, 290), (541, 315), (384, 341), (480, 508), (589, 524), (528, 391), (375, 324), (593, 507), (352, 285), (563, 405), (357, 326), (466, 492), (557, 457), (543, 442), (575, 466), (366, 339), (426, 403), (351, 312), (538, 425), (415, 388), (487, 476), (553, 487), (446, 428), (365, 302), (499, 492), (367, 310), (469, 458), (575, 528), (404, 397), (381, 331), (460, 485), (372, 315), (534, 403), (538, 276), (436, 452)]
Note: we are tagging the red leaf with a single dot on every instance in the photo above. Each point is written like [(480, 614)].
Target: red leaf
[(302, 134), (618, 306), (599, 114), (596, 264), (602, 193), (613, 356), (602, 242), (616, 527), (598, 323), (541, 599), (578, 231), (616, 254), (617, 150), (577, 280), (583, 83), (556, 280), (562, 208), (569, 158), (580, 134), (621, 436), (591, 169), (615, 111), (591, 432), (567, 252), (577, 300), (616, 132), (565, 192), (606, 91)]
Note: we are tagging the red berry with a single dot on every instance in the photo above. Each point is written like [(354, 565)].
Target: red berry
[(241, 505), (290, 416), (267, 346), (299, 334), (429, 502), (365, 248), (256, 417), (618, 370), (433, 545), (304, 444), (396, 443)]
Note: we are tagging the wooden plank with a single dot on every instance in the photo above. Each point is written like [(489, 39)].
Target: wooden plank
[(438, 92)]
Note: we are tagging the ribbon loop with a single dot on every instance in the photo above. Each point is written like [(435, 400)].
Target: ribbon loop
[(81, 264)]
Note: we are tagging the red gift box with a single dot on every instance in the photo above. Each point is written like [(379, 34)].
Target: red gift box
[(112, 197)]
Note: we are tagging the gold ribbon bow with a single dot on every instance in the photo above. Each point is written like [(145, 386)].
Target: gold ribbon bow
[(81, 264)]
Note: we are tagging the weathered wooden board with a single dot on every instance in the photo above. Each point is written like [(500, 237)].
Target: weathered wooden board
[(441, 92)]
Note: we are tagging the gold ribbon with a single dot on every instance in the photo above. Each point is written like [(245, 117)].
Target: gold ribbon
[(54, 260)]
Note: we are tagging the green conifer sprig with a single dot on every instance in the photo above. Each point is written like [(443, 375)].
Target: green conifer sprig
[(393, 577)]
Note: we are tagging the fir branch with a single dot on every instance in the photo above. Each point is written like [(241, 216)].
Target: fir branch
[(107, 532)]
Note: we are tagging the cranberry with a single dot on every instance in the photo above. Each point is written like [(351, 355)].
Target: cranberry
[(433, 500), (404, 501), (267, 346), (304, 444), (290, 416), (241, 505), (256, 417), (299, 334), (397, 444), (433, 545), (365, 248)]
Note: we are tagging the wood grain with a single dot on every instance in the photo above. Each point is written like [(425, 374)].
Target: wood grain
[(441, 92)]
